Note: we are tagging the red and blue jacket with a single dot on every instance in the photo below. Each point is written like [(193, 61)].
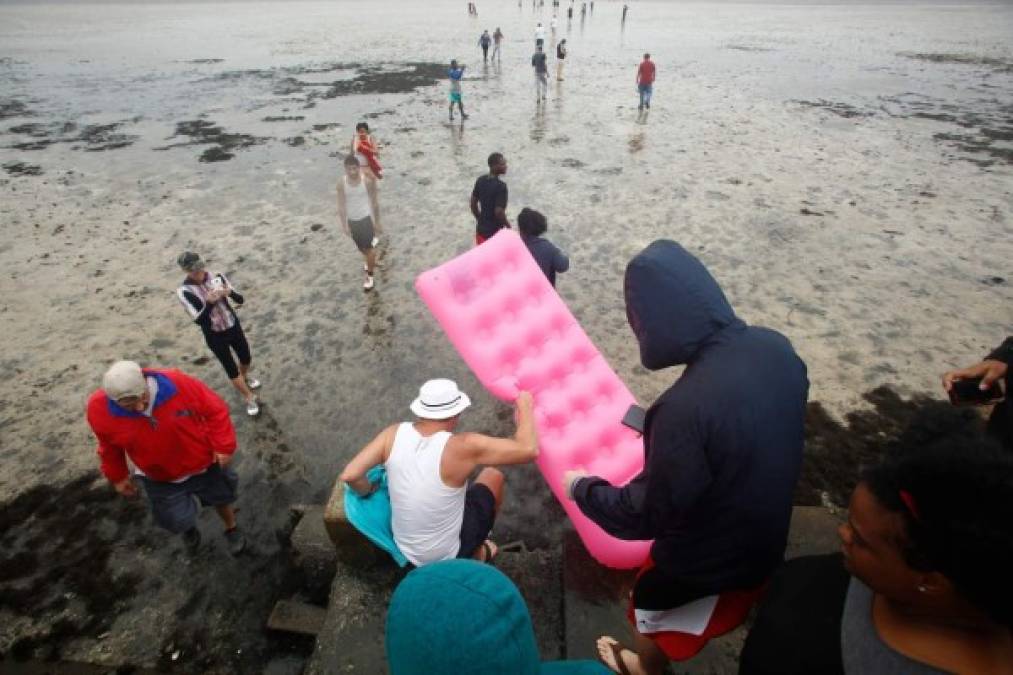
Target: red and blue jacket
[(189, 424)]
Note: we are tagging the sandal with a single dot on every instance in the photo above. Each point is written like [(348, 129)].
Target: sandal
[(617, 655), (491, 551)]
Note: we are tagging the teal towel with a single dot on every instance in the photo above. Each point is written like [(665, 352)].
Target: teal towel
[(371, 515)]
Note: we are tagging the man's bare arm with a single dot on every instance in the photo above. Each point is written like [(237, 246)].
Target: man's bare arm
[(468, 450), (342, 212), (374, 452), (474, 206), (501, 216)]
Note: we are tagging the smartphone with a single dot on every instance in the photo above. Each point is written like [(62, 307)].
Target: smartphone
[(968, 392), (635, 418)]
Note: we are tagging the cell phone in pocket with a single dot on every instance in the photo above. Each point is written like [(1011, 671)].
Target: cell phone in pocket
[(969, 392), (635, 418)]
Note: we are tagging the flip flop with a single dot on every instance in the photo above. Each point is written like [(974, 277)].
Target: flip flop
[(491, 551), (617, 655)]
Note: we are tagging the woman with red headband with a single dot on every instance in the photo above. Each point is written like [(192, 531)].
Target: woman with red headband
[(928, 554)]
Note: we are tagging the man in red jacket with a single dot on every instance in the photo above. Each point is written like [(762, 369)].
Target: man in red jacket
[(178, 436)]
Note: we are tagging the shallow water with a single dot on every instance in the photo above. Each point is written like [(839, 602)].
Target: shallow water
[(843, 170)]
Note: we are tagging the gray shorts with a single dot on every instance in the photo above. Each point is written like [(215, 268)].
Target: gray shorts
[(174, 506), (362, 233)]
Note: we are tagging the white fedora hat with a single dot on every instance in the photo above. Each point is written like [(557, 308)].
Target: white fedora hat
[(439, 400)]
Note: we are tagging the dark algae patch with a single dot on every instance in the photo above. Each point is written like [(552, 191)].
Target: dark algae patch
[(14, 109), (835, 452), (355, 78), (55, 548), (999, 65), (839, 109), (22, 169), (89, 137), (204, 132)]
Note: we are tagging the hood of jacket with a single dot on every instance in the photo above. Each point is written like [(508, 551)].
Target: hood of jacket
[(673, 304), (459, 616)]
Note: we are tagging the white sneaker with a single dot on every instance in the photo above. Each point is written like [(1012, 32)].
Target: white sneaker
[(368, 283), (252, 409), (252, 383)]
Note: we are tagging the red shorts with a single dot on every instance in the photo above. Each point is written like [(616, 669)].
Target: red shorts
[(479, 239), (731, 610)]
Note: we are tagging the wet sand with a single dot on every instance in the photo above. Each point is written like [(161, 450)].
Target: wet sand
[(843, 171)]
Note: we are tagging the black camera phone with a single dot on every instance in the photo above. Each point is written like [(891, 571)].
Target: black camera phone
[(969, 392), (635, 418)]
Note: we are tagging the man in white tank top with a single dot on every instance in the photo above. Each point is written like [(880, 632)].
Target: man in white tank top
[(435, 514), (359, 213)]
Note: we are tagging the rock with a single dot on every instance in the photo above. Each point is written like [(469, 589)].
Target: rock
[(813, 531), (293, 616)]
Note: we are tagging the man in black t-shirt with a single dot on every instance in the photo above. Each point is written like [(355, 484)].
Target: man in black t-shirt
[(489, 200)]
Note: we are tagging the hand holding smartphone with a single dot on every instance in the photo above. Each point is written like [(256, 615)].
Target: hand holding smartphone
[(635, 418), (969, 392)]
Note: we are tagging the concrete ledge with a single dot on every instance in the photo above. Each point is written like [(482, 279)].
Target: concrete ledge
[(351, 546)]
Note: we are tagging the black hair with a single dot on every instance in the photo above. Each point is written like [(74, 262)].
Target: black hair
[(959, 518), (531, 222), (495, 158), (361, 125), (350, 160)]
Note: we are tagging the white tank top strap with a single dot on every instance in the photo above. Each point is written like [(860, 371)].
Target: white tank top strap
[(426, 513)]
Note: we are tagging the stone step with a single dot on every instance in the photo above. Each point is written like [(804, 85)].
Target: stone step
[(292, 616)]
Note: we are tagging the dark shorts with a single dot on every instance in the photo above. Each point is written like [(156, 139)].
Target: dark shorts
[(362, 233), (479, 515), (174, 506), (224, 342)]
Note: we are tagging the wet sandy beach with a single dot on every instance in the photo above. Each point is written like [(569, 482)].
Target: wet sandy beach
[(844, 171)]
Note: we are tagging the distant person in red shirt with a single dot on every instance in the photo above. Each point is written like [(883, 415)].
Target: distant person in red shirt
[(645, 81)]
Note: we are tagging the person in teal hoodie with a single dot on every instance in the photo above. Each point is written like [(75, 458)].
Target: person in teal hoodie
[(467, 618)]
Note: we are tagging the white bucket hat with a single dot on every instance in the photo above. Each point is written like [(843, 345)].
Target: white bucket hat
[(439, 400)]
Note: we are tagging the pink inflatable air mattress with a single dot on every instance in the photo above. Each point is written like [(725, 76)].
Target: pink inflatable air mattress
[(515, 333)]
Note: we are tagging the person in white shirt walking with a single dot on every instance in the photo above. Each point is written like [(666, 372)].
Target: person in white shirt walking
[(359, 213)]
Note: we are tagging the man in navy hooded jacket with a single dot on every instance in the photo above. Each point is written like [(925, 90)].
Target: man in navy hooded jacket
[(723, 446)]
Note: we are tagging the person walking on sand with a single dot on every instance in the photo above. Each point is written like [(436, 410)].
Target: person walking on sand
[(532, 225), (205, 296), (553, 24), (497, 39), (539, 34), (645, 81), (366, 150), (177, 434), (359, 214), (456, 74), (435, 514), (489, 200), (484, 41), (538, 62), (560, 59), (626, 8)]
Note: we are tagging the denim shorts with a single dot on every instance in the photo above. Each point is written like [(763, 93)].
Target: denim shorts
[(174, 505)]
